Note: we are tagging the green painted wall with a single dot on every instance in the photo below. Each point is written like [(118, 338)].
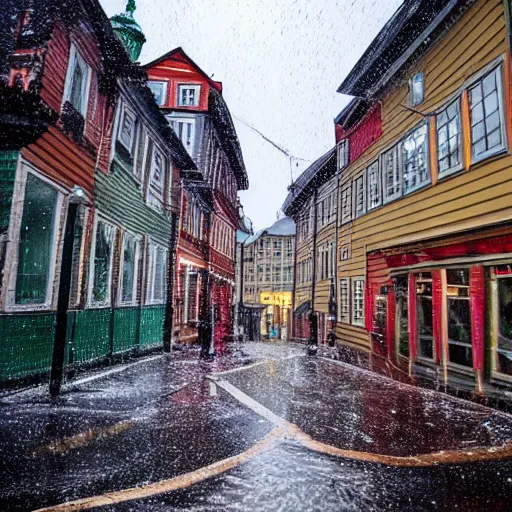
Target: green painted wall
[(125, 329), (92, 335), (151, 325)]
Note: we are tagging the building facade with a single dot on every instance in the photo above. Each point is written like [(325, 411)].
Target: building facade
[(194, 107), (268, 263), (424, 269), (86, 223)]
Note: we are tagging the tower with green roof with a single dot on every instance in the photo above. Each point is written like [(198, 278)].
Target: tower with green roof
[(129, 31)]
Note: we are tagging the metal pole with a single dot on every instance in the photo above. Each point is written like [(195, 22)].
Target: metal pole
[(61, 321), (169, 305)]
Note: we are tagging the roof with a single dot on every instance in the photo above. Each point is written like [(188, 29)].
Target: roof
[(225, 128), (318, 173), (179, 54), (241, 236), (414, 27), (282, 227)]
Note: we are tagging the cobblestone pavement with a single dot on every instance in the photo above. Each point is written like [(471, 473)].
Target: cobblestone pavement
[(162, 426)]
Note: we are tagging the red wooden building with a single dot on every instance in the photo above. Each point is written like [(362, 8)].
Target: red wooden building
[(193, 104)]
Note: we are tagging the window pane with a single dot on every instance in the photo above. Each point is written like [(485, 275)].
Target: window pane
[(102, 262), (77, 87), (424, 315), (129, 266), (414, 148), (504, 342), (449, 138), (36, 241), (459, 332), (158, 90), (402, 315)]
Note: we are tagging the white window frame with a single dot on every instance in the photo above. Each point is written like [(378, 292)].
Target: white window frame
[(346, 209), (155, 195), (498, 69), (90, 285), (194, 87), (360, 181), (459, 166), (423, 125), (173, 121), (354, 281), (150, 285), (397, 173), (11, 257), (344, 318), (343, 153), (76, 59), (138, 241), (129, 145), (373, 178), (164, 91)]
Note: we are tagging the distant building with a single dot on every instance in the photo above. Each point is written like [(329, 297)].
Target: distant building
[(268, 261)]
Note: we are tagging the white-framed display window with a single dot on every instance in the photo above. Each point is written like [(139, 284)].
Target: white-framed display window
[(346, 204), (414, 148), (425, 316), (359, 195), (129, 269), (77, 85), (188, 95), (449, 139), (344, 307), (101, 263), (357, 301), (501, 286), (391, 174), (127, 128), (34, 232), (159, 89), (487, 115), (157, 274), (374, 183)]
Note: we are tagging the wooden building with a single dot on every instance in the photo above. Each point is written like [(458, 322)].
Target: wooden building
[(193, 105), (268, 263), (312, 203), (83, 231), (425, 222)]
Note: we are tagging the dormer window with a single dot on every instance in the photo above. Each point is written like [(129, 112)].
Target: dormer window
[(188, 95), (159, 90), (417, 89)]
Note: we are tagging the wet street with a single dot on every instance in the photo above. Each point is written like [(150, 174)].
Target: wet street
[(267, 428)]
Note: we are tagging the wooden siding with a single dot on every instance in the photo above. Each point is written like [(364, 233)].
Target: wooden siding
[(477, 197)]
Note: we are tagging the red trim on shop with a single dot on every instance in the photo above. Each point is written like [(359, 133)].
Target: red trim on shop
[(390, 324), (437, 313), (413, 330), (477, 302)]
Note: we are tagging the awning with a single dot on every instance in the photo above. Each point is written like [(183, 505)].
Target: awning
[(303, 308)]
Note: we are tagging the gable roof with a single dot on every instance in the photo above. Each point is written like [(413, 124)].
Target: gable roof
[(282, 227), (180, 55)]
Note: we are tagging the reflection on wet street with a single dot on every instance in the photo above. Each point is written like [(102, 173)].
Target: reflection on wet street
[(167, 429)]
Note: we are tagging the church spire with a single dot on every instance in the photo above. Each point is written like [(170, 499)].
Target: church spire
[(128, 31)]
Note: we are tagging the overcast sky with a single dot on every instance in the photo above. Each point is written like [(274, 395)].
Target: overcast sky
[(280, 63)]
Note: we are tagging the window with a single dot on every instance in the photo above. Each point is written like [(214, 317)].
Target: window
[(424, 318), (157, 179), (188, 95), (156, 274), (503, 343), (76, 89), (486, 112), (101, 271), (459, 317), (374, 184), (417, 89), (287, 274), (129, 269), (185, 130), (127, 128), (414, 154), (345, 252), (346, 204), (358, 301), (401, 286), (449, 139), (359, 196), (138, 165), (391, 175), (159, 90), (344, 301), (343, 154), (38, 229)]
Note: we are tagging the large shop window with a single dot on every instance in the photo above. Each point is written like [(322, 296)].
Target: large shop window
[(503, 355), (449, 139), (102, 263), (414, 153), (424, 317), (36, 244), (486, 110), (358, 301), (129, 269), (156, 274), (401, 285), (459, 317)]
